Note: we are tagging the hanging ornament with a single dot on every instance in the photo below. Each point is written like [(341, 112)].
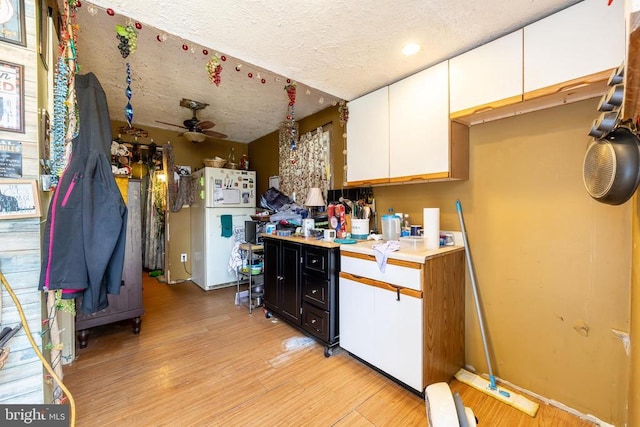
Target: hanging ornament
[(110, 12), (128, 109), (128, 37), (138, 26), (214, 69), (205, 52), (291, 92)]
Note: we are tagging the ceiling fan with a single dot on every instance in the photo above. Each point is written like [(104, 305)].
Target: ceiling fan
[(197, 130)]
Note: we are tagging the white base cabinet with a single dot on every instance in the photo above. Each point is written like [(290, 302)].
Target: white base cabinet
[(383, 330), (412, 332)]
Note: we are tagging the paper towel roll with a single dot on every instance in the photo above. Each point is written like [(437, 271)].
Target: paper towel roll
[(431, 227)]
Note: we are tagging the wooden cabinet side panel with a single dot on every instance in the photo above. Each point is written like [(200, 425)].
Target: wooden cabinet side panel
[(132, 274), (443, 328), (459, 151)]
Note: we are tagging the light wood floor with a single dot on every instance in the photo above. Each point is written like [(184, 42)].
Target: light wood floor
[(200, 360)]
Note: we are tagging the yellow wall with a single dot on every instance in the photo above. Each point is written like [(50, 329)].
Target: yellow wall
[(634, 389)]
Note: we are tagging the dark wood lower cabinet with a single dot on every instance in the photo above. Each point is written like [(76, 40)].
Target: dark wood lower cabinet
[(300, 285), (127, 305)]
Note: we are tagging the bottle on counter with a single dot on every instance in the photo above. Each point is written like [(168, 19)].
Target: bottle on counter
[(406, 226)]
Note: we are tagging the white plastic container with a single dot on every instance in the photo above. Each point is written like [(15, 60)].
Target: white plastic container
[(359, 228), (390, 227)]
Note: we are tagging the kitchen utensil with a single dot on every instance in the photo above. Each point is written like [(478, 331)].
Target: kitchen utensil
[(390, 227), (611, 166)]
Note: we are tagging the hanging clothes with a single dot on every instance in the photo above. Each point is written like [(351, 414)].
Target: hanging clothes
[(85, 232)]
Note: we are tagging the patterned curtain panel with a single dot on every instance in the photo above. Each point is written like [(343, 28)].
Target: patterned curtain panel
[(308, 165)]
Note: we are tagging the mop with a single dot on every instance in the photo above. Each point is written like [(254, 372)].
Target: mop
[(488, 387)]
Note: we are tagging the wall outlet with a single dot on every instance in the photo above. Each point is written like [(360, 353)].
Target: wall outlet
[(183, 257)]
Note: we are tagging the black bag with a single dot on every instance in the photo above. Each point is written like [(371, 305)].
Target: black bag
[(274, 200)]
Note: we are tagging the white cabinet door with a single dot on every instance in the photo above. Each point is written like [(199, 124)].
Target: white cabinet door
[(398, 336), (356, 311), (419, 123), (583, 39), (486, 74), (368, 137)]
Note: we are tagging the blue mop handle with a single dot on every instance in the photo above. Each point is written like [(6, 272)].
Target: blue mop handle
[(472, 275)]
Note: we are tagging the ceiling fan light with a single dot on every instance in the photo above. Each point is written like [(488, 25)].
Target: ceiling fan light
[(194, 136)]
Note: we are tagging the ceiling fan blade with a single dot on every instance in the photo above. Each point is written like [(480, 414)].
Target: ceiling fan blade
[(214, 134), (206, 124), (171, 124)]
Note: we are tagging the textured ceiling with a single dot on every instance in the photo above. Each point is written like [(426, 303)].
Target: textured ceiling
[(332, 49)]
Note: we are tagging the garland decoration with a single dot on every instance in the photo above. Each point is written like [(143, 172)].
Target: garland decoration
[(214, 69), (65, 123)]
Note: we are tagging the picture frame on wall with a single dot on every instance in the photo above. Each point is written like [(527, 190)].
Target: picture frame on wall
[(12, 30), (11, 97), (43, 42), (19, 199)]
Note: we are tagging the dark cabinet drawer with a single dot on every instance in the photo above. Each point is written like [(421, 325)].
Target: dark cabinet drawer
[(316, 291), (316, 261), (315, 321)]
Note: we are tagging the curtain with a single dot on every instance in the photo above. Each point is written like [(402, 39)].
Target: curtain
[(309, 165), (154, 221), (179, 186)]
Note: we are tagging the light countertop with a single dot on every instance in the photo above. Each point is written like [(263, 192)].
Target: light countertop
[(296, 238), (410, 250)]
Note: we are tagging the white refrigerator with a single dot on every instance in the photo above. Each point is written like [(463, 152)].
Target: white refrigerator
[(224, 200)]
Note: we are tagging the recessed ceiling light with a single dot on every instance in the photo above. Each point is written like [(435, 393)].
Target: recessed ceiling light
[(410, 49)]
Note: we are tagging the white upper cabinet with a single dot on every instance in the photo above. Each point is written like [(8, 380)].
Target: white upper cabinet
[(581, 40), (368, 138), (419, 124), (488, 76)]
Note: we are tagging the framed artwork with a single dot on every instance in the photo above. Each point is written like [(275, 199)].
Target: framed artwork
[(43, 44), (12, 22), (19, 199), (11, 97)]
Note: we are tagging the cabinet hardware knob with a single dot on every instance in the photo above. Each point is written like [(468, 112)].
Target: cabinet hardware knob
[(313, 321), (314, 291)]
